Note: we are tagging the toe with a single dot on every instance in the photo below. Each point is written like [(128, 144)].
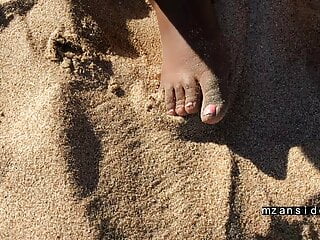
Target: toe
[(192, 97), (180, 101), (211, 104), (170, 100), (209, 114)]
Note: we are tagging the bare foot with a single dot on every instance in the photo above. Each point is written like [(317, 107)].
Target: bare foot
[(194, 63)]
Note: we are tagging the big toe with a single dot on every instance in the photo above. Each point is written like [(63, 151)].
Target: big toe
[(211, 114), (213, 109)]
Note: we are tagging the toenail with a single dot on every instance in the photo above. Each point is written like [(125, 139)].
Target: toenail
[(190, 104), (210, 110), (171, 112), (180, 110)]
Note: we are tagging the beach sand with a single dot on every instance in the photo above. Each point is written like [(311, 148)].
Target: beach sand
[(87, 151)]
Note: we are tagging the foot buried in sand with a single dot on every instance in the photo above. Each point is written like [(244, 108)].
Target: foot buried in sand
[(194, 64)]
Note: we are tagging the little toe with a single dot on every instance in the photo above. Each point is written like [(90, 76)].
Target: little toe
[(180, 101), (170, 101)]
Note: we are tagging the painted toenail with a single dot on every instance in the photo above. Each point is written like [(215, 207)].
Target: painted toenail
[(171, 112), (210, 110), (190, 104)]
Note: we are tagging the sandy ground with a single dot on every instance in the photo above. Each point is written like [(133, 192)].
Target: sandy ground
[(88, 153)]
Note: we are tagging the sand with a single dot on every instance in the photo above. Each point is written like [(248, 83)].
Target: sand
[(88, 153)]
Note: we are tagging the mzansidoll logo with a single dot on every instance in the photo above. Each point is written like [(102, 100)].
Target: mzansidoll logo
[(302, 210)]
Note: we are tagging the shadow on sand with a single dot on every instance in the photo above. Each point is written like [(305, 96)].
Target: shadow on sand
[(277, 106), (111, 18), (278, 101), (11, 8)]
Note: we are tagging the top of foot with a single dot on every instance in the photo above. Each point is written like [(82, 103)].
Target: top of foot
[(195, 66)]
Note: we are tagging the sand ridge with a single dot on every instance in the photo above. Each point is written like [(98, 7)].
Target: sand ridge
[(88, 153)]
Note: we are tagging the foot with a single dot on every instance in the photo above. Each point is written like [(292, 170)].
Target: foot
[(193, 66)]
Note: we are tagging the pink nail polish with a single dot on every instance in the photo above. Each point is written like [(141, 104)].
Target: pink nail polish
[(210, 110)]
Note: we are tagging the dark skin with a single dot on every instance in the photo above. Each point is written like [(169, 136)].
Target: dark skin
[(195, 66)]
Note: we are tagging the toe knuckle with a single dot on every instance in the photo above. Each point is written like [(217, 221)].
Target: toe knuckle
[(170, 101), (180, 102), (188, 86), (170, 104)]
